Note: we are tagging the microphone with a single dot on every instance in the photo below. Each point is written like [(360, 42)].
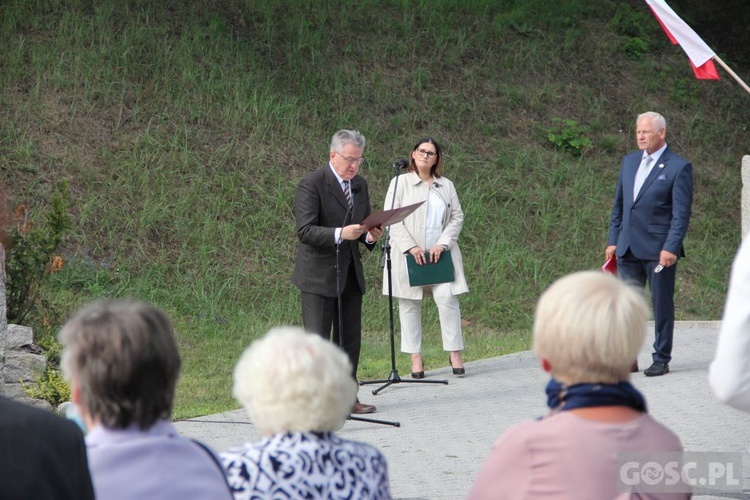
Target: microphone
[(400, 163)]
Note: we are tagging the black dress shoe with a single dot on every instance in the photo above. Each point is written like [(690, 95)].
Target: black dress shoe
[(417, 374), (656, 369), (456, 371)]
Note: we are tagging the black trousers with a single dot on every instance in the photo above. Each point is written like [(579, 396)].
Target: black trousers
[(320, 315)]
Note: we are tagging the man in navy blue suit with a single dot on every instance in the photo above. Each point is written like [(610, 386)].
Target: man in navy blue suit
[(649, 220)]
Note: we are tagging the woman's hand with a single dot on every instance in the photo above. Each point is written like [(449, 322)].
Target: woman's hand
[(435, 252), (418, 255)]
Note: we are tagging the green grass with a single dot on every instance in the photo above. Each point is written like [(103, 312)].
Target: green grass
[(183, 129)]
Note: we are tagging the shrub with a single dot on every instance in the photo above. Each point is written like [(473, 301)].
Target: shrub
[(31, 253), (569, 136), (50, 386)]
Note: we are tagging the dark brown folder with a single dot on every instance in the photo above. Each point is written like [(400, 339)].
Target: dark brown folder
[(387, 217)]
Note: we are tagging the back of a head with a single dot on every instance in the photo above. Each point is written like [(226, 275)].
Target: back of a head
[(290, 380), (590, 326), (123, 358)]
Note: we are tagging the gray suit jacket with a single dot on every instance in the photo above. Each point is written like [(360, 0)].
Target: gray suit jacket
[(319, 208)]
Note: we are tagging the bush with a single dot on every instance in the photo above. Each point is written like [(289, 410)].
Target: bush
[(31, 253), (569, 136), (50, 386)]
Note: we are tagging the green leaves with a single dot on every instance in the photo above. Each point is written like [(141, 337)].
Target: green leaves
[(569, 136), (31, 253)]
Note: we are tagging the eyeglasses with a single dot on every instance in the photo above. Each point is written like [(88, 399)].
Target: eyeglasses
[(352, 159), (428, 154)]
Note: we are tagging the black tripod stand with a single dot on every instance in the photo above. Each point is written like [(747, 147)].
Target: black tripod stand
[(341, 321), (394, 378)]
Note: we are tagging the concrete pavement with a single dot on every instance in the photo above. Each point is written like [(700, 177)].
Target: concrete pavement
[(446, 431)]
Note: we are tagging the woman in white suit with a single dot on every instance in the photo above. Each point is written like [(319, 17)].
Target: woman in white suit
[(432, 229)]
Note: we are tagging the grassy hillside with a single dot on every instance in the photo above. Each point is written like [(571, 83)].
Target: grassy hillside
[(182, 129)]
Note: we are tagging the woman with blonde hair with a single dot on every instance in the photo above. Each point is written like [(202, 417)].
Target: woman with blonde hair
[(588, 328)]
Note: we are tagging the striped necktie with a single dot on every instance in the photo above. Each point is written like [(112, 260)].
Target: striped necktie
[(348, 193)]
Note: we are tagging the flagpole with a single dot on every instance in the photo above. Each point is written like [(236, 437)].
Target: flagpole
[(734, 75)]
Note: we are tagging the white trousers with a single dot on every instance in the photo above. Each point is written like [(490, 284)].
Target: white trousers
[(410, 315)]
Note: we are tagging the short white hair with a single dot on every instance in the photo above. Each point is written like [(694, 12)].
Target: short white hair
[(590, 326), (344, 137), (657, 120), (290, 380)]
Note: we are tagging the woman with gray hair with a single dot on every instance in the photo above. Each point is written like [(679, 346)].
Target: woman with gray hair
[(588, 329), (297, 388), (122, 362)]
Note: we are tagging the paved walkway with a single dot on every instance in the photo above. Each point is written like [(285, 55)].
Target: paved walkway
[(446, 431)]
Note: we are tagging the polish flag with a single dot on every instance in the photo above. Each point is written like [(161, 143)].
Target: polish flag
[(700, 55)]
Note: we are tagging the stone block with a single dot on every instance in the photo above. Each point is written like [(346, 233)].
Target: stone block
[(36, 403), (23, 366), (18, 336), (14, 391)]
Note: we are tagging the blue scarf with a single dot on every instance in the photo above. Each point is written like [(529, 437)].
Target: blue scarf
[(561, 397)]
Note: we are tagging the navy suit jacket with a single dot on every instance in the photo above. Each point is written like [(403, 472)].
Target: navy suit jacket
[(658, 217), (319, 208)]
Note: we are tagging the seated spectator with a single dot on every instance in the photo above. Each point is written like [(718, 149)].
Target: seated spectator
[(122, 362), (42, 455), (588, 329), (297, 388), (729, 373)]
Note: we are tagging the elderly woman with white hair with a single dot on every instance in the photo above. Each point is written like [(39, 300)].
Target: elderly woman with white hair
[(588, 329), (297, 388)]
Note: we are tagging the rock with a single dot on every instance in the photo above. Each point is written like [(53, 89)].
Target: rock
[(18, 336), (23, 366), (14, 391), (36, 403), (62, 408)]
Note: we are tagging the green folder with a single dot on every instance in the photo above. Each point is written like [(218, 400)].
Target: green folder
[(430, 273)]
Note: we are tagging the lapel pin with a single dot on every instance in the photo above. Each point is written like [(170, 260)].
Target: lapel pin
[(661, 165)]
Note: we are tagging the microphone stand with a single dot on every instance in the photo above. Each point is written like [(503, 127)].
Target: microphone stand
[(394, 378), (341, 320)]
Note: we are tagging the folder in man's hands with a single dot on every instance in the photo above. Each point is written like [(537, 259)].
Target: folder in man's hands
[(430, 273), (385, 218)]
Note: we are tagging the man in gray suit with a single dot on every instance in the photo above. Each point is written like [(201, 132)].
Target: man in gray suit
[(649, 221), (329, 205)]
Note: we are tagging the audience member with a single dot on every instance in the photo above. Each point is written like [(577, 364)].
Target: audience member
[(297, 389), (729, 373), (122, 362), (42, 455), (588, 329)]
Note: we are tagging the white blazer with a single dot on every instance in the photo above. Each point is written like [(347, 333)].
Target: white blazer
[(412, 232)]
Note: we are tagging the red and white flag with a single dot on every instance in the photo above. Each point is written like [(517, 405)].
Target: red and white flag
[(700, 55)]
